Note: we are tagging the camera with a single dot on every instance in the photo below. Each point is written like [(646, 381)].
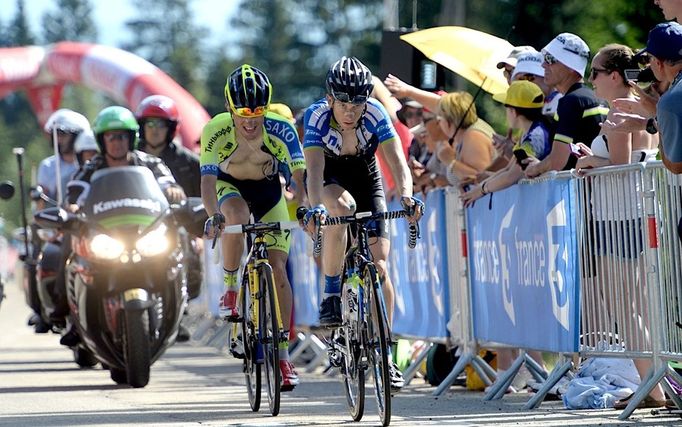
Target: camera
[(632, 75)]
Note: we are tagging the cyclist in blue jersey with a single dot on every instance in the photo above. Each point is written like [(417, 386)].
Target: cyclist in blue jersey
[(342, 134)]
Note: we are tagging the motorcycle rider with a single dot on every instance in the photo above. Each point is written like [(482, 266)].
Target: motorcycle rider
[(115, 131), (68, 125), (158, 118)]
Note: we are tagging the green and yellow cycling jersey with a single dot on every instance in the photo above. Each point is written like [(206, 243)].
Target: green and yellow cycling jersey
[(219, 142)]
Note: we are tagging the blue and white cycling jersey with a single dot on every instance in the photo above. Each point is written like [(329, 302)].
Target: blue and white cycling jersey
[(322, 131)]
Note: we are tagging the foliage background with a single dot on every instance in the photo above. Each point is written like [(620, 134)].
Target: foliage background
[(293, 41)]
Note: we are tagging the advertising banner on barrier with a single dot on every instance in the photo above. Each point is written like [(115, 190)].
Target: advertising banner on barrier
[(305, 279), (420, 275), (523, 261)]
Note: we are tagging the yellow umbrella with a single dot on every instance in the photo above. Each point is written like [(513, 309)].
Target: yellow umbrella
[(470, 53)]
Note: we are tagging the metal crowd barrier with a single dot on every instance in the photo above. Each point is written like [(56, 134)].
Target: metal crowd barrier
[(664, 212), (504, 381), (460, 323)]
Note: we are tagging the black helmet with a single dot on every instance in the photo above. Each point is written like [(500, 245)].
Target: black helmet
[(248, 91), (348, 80)]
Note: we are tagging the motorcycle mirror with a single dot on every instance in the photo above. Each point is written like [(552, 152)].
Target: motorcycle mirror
[(35, 192), (6, 190), (55, 218)]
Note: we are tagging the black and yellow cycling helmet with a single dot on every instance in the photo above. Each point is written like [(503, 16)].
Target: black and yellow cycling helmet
[(248, 91)]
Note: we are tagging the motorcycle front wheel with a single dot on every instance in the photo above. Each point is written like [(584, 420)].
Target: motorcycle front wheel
[(136, 347)]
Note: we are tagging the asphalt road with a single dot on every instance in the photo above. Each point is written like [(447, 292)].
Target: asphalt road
[(194, 385)]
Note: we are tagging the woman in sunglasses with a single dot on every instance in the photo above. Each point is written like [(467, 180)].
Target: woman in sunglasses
[(343, 131), (243, 152), (617, 212)]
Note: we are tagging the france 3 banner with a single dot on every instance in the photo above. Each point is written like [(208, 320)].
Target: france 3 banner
[(305, 279), (420, 275), (523, 262)]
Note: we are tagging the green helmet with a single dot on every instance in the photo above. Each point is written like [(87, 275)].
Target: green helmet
[(115, 118)]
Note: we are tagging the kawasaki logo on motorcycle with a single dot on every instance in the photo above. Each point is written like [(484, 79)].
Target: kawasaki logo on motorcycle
[(148, 204)]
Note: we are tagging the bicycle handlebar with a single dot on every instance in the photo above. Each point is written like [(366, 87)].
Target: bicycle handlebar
[(368, 216), (260, 226)]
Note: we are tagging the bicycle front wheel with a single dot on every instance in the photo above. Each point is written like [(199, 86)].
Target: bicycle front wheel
[(251, 367), (269, 335), (349, 337), (378, 338)]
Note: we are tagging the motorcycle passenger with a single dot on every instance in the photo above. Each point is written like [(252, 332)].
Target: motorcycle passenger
[(343, 131), (158, 118), (85, 146), (115, 130), (243, 151), (68, 125)]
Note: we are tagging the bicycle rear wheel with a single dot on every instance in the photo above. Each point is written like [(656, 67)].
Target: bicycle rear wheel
[(251, 367), (378, 337), (269, 335), (353, 368)]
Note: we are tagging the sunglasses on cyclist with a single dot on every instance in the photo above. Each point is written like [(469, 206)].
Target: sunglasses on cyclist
[(248, 112), (344, 97), (156, 123)]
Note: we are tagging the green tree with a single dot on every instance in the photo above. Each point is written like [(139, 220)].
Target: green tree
[(216, 76), (71, 20), (296, 41), (166, 35), (20, 32)]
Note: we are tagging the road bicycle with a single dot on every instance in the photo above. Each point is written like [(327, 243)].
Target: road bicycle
[(363, 341), (260, 323)]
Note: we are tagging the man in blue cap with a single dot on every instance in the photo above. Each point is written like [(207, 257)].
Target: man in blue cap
[(664, 46)]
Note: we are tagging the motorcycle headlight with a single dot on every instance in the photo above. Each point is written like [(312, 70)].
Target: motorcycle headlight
[(153, 243), (106, 247)]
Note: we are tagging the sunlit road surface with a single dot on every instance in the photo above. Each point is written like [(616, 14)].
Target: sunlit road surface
[(40, 385)]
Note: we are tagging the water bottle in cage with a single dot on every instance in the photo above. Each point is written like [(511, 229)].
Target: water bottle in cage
[(351, 289)]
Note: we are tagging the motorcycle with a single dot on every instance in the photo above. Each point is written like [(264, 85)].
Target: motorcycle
[(47, 262), (6, 193), (126, 278)]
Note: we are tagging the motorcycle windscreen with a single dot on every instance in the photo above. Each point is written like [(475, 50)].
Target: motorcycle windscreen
[(123, 196)]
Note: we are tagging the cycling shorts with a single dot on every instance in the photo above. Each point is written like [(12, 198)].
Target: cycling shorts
[(265, 201), (359, 176)]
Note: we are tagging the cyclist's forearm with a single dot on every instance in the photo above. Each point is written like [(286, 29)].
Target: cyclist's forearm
[(208, 194), (299, 184), (314, 160)]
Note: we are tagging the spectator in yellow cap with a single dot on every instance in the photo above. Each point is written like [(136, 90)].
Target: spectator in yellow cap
[(523, 101), (283, 110)]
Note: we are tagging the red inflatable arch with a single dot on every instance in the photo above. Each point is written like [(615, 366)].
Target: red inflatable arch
[(123, 76)]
